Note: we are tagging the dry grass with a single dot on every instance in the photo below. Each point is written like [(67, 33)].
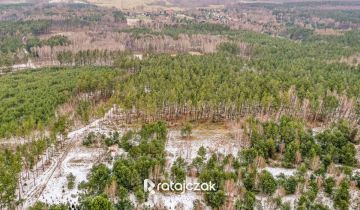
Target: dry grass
[(353, 60), (122, 4), (329, 32), (149, 5)]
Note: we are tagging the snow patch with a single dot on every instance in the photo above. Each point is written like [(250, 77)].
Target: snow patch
[(278, 171), (79, 162), (171, 201), (216, 141)]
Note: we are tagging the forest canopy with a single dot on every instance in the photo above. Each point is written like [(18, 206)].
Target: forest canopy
[(29, 100)]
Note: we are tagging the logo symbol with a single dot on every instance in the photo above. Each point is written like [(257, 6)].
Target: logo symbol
[(149, 186)]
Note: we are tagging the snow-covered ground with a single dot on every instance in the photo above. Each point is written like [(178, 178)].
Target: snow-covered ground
[(325, 200), (291, 199), (278, 171), (50, 184), (215, 141), (78, 162), (174, 201), (183, 201), (318, 130), (355, 199)]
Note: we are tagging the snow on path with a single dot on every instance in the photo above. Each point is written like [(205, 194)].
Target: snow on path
[(79, 162), (41, 181)]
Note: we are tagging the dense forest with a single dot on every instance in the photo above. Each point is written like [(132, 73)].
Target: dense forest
[(226, 86), (279, 81), (29, 100), (11, 37), (292, 95)]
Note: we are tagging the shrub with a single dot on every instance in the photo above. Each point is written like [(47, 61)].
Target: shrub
[(267, 183), (329, 185), (248, 202), (342, 196), (89, 139), (215, 199), (71, 181)]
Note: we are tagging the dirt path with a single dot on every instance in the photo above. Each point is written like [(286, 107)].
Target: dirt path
[(39, 178), (44, 178)]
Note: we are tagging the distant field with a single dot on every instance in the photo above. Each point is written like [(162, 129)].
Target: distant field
[(122, 4), (146, 4)]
